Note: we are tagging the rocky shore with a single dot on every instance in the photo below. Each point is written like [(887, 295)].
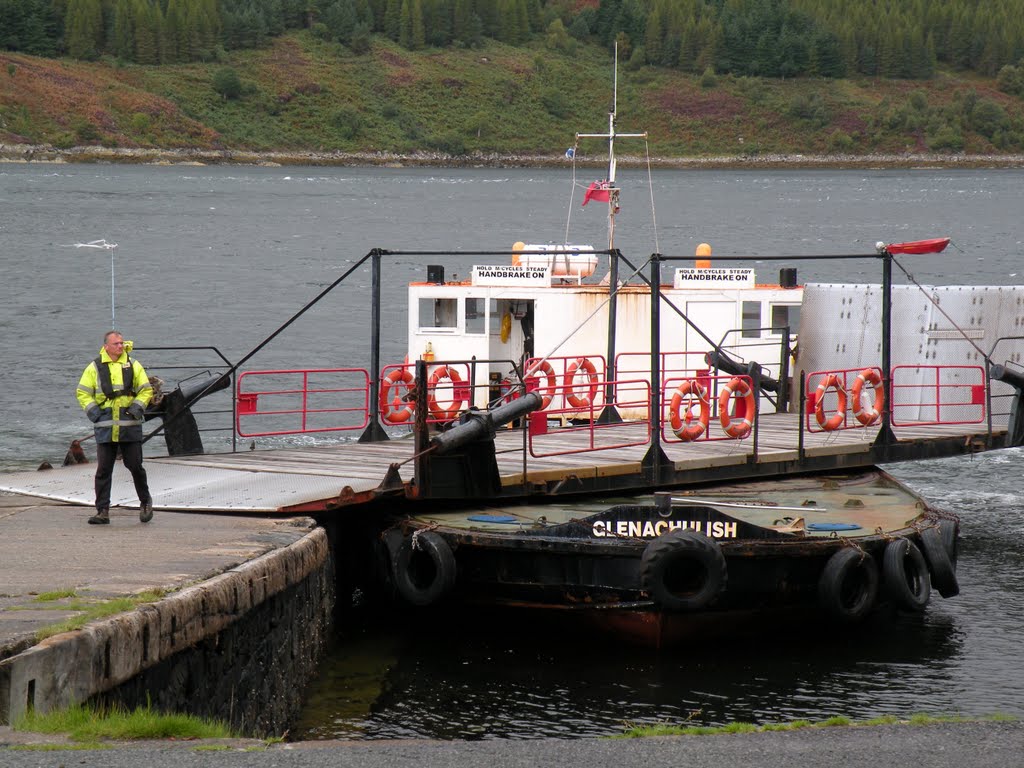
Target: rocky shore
[(25, 153)]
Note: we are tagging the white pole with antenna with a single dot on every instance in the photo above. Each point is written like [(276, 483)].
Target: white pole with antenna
[(104, 245), (613, 197)]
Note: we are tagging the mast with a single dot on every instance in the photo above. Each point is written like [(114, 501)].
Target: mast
[(613, 196)]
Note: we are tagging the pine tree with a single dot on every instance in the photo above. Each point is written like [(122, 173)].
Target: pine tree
[(84, 25), (123, 42)]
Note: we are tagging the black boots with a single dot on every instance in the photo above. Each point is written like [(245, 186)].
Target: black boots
[(102, 517), (146, 511)]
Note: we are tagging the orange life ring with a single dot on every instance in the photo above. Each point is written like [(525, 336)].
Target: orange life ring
[(575, 400), (691, 431), (547, 392), (738, 427), (397, 410), (449, 413), (837, 419), (872, 377)]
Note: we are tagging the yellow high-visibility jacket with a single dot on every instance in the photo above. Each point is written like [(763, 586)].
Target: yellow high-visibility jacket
[(107, 389)]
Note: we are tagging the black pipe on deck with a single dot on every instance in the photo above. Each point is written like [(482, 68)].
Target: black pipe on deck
[(476, 425), (1015, 426)]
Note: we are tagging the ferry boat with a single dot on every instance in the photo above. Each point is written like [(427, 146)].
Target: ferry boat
[(542, 380)]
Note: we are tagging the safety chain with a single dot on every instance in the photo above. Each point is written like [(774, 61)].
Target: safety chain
[(420, 531)]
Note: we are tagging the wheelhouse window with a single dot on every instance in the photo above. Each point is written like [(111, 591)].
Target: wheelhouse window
[(751, 325), (439, 313), (783, 315), (475, 317)]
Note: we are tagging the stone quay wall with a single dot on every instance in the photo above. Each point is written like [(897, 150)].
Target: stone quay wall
[(240, 647)]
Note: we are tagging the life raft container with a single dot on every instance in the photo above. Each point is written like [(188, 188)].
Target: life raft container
[(590, 376), (867, 417), (740, 426), (684, 427), (423, 568), (683, 570), (848, 585), (396, 410), (836, 419), (449, 413)]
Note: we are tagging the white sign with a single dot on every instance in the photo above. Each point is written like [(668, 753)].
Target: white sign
[(511, 274), (714, 277)]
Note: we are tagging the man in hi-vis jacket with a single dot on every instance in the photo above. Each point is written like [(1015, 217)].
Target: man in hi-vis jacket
[(114, 391)]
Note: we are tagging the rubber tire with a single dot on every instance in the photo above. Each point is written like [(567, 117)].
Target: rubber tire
[(425, 574), (950, 530), (905, 575), (943, 571), (683, 571), (848, 585)]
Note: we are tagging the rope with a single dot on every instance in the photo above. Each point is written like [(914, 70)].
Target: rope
[(935, 303)]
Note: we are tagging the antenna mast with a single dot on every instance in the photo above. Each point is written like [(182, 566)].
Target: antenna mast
[(613, 197)]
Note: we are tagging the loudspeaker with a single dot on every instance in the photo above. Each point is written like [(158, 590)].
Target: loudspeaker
[(435, 273), (787, 277)]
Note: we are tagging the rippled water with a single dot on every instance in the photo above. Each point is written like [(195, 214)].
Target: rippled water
[(225, 255)]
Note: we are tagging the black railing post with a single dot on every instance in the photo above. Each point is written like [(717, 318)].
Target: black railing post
[(421, 436), (655, 460), (784, 386), (374, 432), (609, 414), (885, 436)]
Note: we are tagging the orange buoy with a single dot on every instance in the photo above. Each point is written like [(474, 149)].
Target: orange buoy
[(693, 429), (836, 420), (449, 413), (738, 427), (396, 410), (867, 417), (590, 374)]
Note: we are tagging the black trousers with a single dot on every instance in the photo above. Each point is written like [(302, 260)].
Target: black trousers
[(106, 455)]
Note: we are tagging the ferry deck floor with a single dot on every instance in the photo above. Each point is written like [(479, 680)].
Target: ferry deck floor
[(341, 477)]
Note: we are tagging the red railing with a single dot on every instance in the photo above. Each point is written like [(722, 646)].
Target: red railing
[(583, 421), (923, 394), (293, 402), (691, 408), (674, 365), (569, 383), (939, 394)]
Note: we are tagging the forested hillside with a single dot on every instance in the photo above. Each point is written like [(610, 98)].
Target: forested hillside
[(738, 77)]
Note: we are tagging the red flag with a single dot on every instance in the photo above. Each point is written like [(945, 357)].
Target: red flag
[(598, 190)]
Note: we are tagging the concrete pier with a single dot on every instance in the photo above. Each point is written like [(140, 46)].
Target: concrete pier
[(214, 569)]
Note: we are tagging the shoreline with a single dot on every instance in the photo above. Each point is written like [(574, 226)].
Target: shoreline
[(24, 153)]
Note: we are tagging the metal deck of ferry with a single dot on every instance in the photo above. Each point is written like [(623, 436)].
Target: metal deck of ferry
[(340, 478)]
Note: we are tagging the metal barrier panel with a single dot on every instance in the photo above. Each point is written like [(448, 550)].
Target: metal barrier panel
[(582, 433), (938, 394), (291, 402), (690, 401), (575, 382)]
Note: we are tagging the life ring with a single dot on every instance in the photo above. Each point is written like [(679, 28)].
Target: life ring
[(683, 570), (872, 377), (546, 393), (837, 419), (506, 327), (692, 429), (905, 575), (397, 410), (423, 568), (942, 569), (449, 413), (590, 371), (848, 585), (738, 427)]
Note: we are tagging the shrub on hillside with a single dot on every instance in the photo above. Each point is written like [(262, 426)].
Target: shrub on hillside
[(346, 122), (227, 83)]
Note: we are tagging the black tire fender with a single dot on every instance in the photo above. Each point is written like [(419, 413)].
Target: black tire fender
[(848, 585), (950, 530), (683, 570), (424, 568), (943, 571), (905, 575)]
